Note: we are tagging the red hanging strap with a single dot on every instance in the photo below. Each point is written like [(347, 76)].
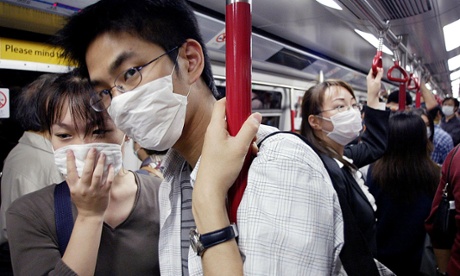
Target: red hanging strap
[(402, 82), (414, 84), (377, 61)]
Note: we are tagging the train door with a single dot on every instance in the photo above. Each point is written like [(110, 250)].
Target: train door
[(272, 101)]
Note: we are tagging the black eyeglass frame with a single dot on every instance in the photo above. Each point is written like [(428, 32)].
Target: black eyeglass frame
[(355, 106), (95, 103)]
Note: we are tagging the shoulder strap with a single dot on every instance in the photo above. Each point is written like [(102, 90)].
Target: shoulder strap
[(63, 215), (355, 256)]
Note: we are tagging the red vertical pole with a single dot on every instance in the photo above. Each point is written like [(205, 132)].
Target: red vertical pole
[(238, 84)]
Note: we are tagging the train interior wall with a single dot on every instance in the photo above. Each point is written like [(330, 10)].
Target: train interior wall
[(10, 129)]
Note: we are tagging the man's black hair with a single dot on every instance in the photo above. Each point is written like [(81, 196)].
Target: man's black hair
[(394, 97), (167, 23), (456, 103)]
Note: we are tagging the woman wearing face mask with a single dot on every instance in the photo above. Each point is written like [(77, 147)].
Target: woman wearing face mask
[(331, 119), (115, 212)]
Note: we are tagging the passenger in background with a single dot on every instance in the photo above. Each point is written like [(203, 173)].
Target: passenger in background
[(30, 164), (115, 212), (151, 160), (393, 101), (450, 123), (448, 120), (331, 119), (441, 140), (447, 252), (403, 182), (256, 103)]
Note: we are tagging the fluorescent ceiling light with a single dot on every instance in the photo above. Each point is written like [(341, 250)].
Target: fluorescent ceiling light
[(453, 63), (455, 75), (455, 85), (451, 37), (330, 4), (455, 88), (373, 41)]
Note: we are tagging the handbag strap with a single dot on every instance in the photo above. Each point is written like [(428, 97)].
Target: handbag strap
[(63, 215), (444, 190)]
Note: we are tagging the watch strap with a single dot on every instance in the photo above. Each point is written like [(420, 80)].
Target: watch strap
[(219, 236)]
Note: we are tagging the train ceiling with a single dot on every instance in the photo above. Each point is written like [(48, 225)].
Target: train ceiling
[(300, 37)]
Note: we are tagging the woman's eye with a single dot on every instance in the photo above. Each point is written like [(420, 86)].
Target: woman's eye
[(63, 135)]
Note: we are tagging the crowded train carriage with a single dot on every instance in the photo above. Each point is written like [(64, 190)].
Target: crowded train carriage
[(279, 52)]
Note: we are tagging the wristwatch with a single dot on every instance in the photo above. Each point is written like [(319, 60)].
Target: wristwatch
[(201, 242)]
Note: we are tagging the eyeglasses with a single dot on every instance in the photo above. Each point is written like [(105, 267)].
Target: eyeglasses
[(124, 82), (342, 108)]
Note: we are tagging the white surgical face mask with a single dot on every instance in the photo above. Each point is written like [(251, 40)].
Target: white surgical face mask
[(110, 150), (347, 125), (447, 110), (151, 114)]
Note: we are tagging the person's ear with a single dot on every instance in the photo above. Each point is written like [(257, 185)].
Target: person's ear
[(314, 122), (194, 56)]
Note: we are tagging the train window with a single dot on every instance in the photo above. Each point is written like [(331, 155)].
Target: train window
[(266, 99), (271, 101), (273, 121), (260, 99)]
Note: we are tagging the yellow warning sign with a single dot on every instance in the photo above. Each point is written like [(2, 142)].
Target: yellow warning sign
[(13, 49)]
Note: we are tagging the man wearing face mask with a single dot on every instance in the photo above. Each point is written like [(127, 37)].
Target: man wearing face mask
[(450, 123), (151, 160), (149, 67)]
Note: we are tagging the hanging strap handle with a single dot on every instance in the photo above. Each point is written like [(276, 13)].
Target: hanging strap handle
[(413, 83), (403, 72), (377, 61)]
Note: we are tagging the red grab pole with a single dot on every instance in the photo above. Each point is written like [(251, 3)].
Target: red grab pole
[(238, 84)]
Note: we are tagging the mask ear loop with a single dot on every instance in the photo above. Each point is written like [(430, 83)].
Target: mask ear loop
[(174, 67), (123, 140)]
